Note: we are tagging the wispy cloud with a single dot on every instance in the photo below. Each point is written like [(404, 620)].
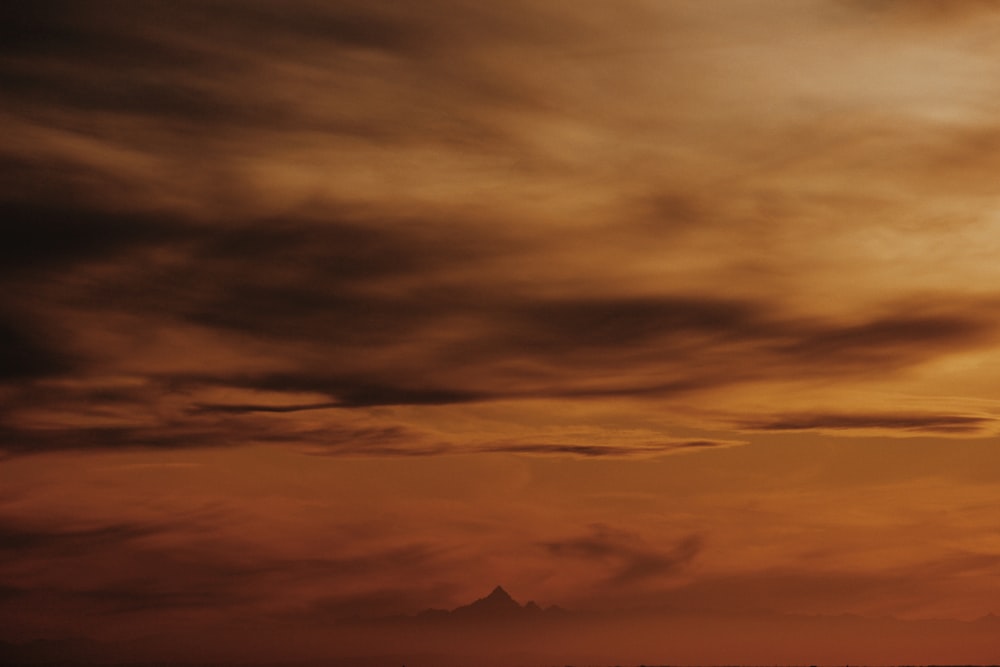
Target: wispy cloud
[(172, 566), (902, 422), (627, 555), (612, 450)]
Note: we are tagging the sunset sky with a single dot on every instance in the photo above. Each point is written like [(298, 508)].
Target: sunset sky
[(325, 308)]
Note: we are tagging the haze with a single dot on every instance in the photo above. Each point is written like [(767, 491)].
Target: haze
[(672, 310)]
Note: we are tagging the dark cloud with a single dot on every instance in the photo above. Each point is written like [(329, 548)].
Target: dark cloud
[(915, 422), (581, 324), (28, 352), (333, 279), (10, 592), (19, 540), (693, 339), (227, 425), (579, 349), (630, 558), (885, 341), (345, 245), (68, 30), (133, 56), (55, 190), (378, 301), (349, 24), (308, 312), (359, 390), (192, 67), (33, 440), (54, 236), (615, 450), (118, 57), (213, 425), (247, 408)]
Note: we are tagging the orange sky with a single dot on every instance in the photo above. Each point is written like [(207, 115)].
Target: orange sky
[(314, 309)]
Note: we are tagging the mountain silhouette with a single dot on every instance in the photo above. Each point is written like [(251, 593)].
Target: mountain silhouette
[(499, 603), (497, 608)]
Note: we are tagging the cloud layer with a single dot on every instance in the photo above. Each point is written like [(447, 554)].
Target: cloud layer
[(215, 213)]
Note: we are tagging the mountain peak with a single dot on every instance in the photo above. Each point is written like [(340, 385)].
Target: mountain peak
[(497, 607), (499, 594), (498, 602)]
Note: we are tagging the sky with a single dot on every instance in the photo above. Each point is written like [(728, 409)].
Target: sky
[(318, 309)]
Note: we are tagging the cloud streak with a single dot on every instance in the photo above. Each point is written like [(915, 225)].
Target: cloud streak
[(902, 422)]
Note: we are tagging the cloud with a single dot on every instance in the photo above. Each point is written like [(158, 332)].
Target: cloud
[(38, 440), (55, 236), (926, 423), (374, 440), (134, 567), (338, 200), (188, 66), (368, 354), (898, 338), (613, 450), (360, 391), (18, 541), (91, 60), (631, 560), (247, 408), (580, 349), (27, 351), (579, 324)]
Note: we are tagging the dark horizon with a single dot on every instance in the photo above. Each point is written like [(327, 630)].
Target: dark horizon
[(512, 634)]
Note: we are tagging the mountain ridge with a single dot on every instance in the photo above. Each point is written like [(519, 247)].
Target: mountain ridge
[(497, 603), (497, 606)]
